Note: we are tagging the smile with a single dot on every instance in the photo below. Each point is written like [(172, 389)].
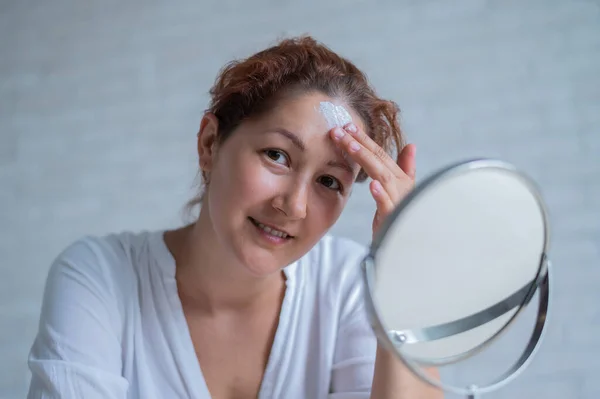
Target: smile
[(270, 230)]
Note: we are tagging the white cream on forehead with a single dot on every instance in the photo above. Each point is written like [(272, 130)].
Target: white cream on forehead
[(336, 115)]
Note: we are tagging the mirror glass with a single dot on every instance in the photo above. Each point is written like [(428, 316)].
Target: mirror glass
[(453, 266)]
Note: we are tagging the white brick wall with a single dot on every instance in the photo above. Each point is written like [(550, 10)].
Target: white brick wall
[(100, 100)]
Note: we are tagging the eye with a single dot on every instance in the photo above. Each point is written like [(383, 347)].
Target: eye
[(277, 156), (331, 183)]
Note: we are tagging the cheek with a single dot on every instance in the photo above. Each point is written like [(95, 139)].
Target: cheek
[(244, 180), (258, 181), (325, 208)]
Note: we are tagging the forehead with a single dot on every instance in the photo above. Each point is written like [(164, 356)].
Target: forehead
[(311, 114)]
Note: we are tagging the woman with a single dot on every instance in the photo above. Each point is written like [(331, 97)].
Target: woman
[(253, 299)]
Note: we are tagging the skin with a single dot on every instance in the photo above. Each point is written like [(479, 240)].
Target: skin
[(285, 169)]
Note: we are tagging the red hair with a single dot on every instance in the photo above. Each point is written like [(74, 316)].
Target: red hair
[(249, 87)]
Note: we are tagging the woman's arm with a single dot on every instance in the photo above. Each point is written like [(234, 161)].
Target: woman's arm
[(392, 181), (362, 368), (77, 351), (393, 380)]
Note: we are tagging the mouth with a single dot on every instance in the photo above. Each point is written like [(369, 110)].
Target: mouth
[(271, 230)]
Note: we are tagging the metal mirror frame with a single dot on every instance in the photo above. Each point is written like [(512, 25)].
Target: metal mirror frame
[(394, 340)]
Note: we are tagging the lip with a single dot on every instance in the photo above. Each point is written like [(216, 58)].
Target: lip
[(272, 226)]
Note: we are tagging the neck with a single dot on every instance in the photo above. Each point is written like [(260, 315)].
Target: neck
[(209, 279)]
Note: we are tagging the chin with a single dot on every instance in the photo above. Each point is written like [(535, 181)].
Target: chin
[(260, 263), (259, 254)]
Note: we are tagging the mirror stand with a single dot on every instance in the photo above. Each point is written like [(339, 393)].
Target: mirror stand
[(394, 340)]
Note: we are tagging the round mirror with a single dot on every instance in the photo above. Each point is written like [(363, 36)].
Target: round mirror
[(455, 265)]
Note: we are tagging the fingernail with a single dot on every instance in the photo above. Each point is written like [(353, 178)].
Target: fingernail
[(351, 128), (376, 187), (354, 146), (338, 133)]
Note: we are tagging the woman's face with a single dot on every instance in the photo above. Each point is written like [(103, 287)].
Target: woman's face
[(277, 184)]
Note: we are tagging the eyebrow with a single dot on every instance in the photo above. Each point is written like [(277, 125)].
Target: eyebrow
[(297, 141)]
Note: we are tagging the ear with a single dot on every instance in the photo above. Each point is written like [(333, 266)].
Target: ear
[(207, 141)]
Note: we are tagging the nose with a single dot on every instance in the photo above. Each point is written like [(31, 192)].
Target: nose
[(292, 201)]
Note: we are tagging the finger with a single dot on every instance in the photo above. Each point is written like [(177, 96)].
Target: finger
[(371, 145), (406, 160), (372, 164), (384, 202)]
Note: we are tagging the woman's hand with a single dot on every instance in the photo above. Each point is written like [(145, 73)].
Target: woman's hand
[(392, 180)]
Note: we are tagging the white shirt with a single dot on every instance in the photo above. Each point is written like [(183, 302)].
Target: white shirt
[(112, 326)]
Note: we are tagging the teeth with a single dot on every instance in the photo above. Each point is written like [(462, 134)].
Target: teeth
[(273, 232)]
